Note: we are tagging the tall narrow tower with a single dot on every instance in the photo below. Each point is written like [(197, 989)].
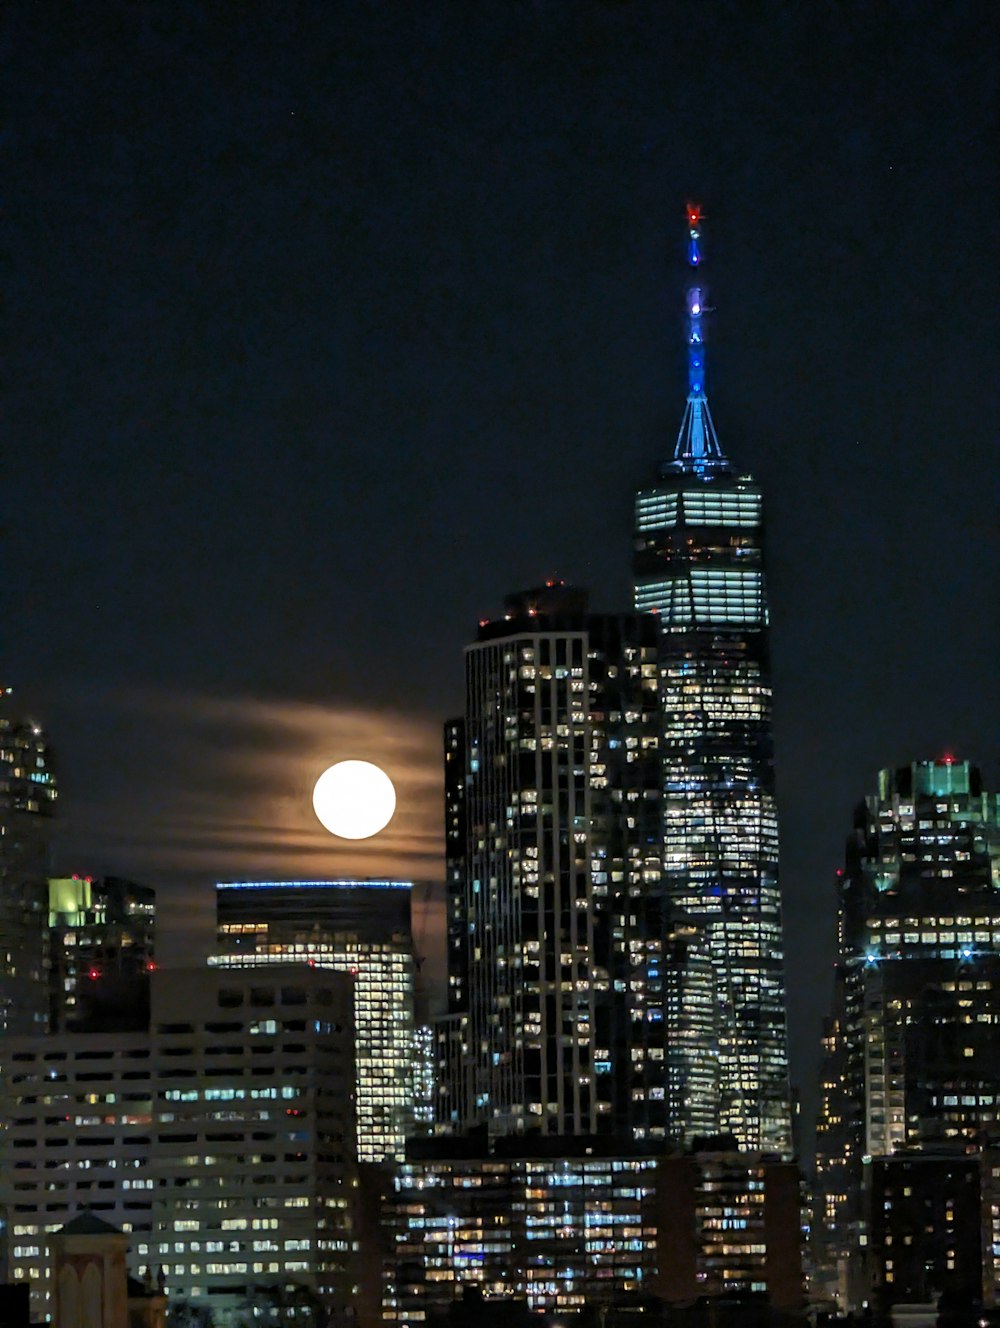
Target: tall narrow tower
[(27, 803), (699, 566), (558, 833)]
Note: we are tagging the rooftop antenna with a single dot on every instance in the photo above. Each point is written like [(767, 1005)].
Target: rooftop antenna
[(697, 443)]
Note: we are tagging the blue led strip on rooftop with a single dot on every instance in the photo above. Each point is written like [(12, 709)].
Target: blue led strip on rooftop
[(314, 885)]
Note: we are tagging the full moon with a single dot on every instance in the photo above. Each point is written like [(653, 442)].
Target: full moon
[(354, 799)]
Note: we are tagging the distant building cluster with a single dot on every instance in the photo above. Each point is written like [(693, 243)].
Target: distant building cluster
[(598, 1126)]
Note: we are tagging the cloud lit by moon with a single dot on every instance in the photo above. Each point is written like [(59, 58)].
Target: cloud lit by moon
[(226, 787), (197, 789)]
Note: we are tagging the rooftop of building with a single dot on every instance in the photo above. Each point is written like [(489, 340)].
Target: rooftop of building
[(557, 607), (87, 1223), (344, 884), (529, 1147)]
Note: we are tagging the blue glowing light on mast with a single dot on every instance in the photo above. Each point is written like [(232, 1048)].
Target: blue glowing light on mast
[(697, 447), (695, 308)]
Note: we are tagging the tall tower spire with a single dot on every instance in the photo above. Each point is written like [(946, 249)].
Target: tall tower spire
[(699, 565), (697, 446)]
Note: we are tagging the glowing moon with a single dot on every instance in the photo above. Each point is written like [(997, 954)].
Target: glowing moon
[(354, 799)]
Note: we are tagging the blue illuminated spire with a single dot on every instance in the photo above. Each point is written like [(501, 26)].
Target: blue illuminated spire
[(697, 443)]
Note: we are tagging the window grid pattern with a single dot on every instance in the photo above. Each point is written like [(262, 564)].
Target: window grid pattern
[(698, 565), (221, 1142)]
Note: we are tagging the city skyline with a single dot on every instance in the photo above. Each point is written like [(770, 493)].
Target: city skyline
[(268, 488)]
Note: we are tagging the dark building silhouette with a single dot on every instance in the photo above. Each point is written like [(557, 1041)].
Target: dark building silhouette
[(28, 796), (100, 951)]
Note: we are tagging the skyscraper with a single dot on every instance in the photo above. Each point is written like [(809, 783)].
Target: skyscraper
[(911, 1057), (359, 927), (27, 803), (567, 962), (699, 568), (559, 822)]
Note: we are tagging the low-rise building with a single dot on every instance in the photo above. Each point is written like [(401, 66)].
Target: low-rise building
[(564, 1223), (221, 1142)]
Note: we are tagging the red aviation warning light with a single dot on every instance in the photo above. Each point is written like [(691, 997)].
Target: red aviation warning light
[(694, 233)]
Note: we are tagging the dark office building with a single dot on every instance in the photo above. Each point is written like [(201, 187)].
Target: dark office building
[(27, 803), (924, 1228), (100, 947)]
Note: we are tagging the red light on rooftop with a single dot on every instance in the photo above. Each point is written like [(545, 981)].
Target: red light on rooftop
[(93, 974), (151, 966), (947, 759)]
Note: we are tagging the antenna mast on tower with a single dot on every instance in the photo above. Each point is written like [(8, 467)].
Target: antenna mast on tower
[(697, 443)]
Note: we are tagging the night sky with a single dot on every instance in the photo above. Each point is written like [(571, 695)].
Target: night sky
[(329, 324)]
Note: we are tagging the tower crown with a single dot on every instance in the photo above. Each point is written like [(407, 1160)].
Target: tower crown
[(697, 449)]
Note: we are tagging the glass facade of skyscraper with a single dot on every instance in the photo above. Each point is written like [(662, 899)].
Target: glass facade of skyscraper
[(359, 927), (560, 828), (582, 1001), (699, 569), (911, 1057)]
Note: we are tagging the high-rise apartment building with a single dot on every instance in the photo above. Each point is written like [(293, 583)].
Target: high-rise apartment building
[(359, 927), (912, 1056), (554, 868), (221, 1140), (699, 568), (27, 802)]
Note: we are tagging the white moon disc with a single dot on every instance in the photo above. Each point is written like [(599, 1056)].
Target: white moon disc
[(354, 799)]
